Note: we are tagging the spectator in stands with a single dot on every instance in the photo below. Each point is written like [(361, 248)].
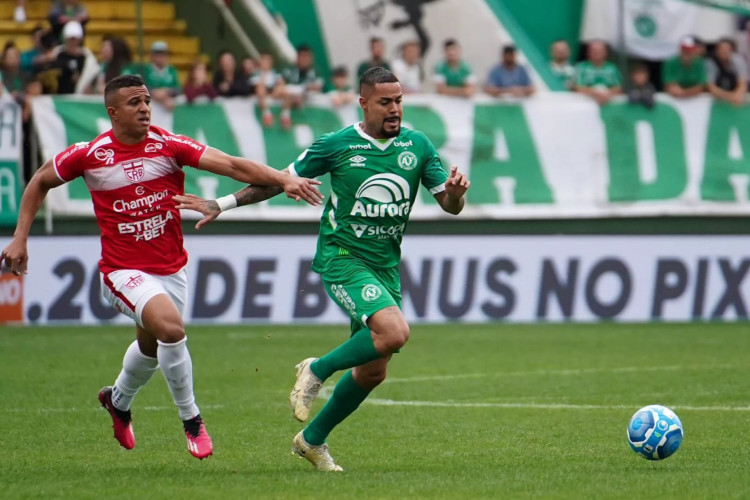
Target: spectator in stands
[(596, 77), (509, 77), (11, 76), (248, 67), (115, 59), (453, 76), (685, 74), (267, 82), (742, 42), (28, 56), (46, 67), (640, 90), (19, 13), (301, 79), (727, 74), (408, 68), (377, 57), (63, 11), (560, 64), (78, 64), (228, 80), (161, 78), (198, 87), (342, 92)]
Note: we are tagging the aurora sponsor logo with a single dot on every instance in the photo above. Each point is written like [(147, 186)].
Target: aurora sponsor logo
[(382, 195)]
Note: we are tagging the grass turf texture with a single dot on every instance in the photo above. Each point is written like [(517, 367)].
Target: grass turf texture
[(501, 415)]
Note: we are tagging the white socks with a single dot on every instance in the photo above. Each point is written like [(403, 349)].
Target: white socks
[(137, 369), (177, 367)]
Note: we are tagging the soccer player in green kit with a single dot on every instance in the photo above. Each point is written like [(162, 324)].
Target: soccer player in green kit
[(376, 167)]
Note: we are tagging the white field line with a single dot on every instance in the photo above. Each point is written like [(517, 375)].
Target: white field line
[(566, 372), (97, 408)]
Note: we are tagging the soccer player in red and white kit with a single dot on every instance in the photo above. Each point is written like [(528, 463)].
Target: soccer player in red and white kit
[(133, 171)]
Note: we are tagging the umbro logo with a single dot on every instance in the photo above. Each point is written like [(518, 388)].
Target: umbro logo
[(358, 161), (359, 229)]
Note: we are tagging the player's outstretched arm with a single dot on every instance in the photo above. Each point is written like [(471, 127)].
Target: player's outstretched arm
[(253, 172), (452, 199), (212, 208), (15, 255)]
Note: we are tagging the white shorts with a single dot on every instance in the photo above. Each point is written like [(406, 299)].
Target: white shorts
[(128, 290)]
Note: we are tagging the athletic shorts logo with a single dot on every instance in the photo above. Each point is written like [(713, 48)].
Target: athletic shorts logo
[(134, 171), (371, 292), (407, 160), (105, 155), (135, 281)]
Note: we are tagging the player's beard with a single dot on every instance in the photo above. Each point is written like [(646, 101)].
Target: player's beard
[(390, 133)]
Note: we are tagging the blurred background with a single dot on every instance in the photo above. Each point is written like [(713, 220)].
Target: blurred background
[(606, 143)]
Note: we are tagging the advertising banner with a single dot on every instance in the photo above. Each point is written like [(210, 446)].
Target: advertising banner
[(11, 184), (553, 156), (260, 279)]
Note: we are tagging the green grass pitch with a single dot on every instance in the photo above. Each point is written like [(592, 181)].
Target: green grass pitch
[(489, 411)]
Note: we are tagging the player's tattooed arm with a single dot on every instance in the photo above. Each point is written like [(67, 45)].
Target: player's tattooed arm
[(255, 194)]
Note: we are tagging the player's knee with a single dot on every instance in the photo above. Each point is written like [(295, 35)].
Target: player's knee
[(397, 337), (170, 332), (369, 379)]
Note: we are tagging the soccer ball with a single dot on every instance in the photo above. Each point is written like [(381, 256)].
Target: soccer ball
[(655, 432)]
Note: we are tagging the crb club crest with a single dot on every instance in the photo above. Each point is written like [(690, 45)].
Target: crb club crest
[(134, 171)]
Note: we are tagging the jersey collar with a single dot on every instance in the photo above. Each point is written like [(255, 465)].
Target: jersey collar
[(380, 145)]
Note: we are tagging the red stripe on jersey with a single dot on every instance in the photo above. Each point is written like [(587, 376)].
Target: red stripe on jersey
[(117, 294)]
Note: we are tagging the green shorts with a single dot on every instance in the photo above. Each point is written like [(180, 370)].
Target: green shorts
[(360, 290)]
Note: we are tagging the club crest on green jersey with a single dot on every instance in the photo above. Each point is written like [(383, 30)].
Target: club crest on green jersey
[(407, 160)]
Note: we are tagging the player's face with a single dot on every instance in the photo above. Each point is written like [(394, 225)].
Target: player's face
[(383, 109), (132, 110)]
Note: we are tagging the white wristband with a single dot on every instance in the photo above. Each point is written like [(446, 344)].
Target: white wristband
[(226, 202)]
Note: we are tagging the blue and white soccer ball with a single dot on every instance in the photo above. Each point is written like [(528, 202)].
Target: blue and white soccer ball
[(655, 432)]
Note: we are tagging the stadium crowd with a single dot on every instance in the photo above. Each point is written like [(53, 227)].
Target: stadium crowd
[(60, 63)]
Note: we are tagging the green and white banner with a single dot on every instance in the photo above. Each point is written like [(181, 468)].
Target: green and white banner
[(737, 6), (11, 183), (557, 155)]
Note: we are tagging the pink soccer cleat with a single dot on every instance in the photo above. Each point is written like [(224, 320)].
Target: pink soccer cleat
[(198, 441), (122, 421)]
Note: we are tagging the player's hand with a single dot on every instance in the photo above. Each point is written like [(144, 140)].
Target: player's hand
[(15, 256), (457, 184), (209, 208), (300, 188)]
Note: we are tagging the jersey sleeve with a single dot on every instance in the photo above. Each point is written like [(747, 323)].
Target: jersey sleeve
[(186, 151), (433, 173), (316, 160), (71, 162)]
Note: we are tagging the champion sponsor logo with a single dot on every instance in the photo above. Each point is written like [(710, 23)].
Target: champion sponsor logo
[(153, 147), (407, 160), (135, 281), (358, 161), (352, 147), (105, 155), (139, 190), (371, 292), (144, 202), (134, 171), (403, 144), (382, 195)]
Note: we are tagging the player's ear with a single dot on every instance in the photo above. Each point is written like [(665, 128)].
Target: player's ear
[(111, 112), (362, 102)]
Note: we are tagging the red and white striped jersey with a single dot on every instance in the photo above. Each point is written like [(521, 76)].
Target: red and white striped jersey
[(132, 188)]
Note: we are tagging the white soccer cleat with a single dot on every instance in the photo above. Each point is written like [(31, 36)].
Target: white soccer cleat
[(305, 390), (316, 455)]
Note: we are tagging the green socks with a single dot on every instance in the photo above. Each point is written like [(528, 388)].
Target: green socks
[(356, 351), (346, 397)]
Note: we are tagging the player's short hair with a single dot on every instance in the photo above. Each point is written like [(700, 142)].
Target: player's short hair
[(376, 75), (122, 82)]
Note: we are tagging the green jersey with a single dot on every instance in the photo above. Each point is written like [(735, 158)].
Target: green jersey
[(604, 76), (686, 76), (451, 76), (373, 188)]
